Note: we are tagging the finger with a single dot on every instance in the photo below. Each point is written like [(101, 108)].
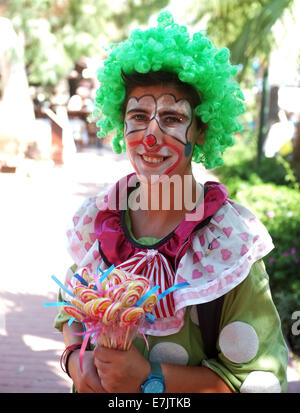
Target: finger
[(93, 381), (104, 354), (102, 371), (99, 364), (107, 385), (95, 385), (100, 374), (87, 389), (84, 387), (105, 380)]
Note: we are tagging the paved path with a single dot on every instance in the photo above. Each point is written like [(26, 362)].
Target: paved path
[(34, 211)]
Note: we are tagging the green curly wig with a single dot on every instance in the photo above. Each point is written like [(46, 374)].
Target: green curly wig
[(196, 61)]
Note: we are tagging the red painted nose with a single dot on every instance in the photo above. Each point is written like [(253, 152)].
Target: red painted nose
[(150, 140)]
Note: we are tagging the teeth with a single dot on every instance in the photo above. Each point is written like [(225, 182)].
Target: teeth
[(152, 160)]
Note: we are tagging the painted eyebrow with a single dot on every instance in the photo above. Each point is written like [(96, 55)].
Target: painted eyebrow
[(174, 112), (137, 110), (164, 113)]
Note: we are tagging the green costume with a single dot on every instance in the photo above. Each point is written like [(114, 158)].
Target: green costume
[(251, 352)]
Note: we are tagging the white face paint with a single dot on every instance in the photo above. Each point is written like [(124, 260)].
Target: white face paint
[(159, 130), (174, 117)]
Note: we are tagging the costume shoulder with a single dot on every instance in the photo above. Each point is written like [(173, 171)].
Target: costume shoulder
[(81, 240), (221, 254)]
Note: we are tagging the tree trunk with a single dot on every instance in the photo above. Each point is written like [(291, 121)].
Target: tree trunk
[(296, 152), (262, 117)]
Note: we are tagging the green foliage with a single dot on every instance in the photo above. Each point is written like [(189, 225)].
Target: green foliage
[(272, 194), (248, 42), (244, 26), (59, 32)]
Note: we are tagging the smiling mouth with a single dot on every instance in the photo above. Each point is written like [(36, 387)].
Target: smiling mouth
[(153, 160)]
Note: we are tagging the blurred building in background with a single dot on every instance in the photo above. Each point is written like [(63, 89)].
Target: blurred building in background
[(33, 126), (65, 114), (16, 108)]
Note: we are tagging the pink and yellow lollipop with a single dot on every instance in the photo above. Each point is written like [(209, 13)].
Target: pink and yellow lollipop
[(149, 303), (100, 305), (79, 304), (87, 295), (97, 306), (92, 285), (111, 313), (139, 286), (87, 308), (144, 280), (74, 312), (116, 277), (129, 298), (116, 293), (85, 274), (131, 315), (77, 290)]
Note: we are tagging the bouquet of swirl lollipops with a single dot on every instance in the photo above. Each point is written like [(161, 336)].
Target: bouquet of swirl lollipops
[(111, 307)]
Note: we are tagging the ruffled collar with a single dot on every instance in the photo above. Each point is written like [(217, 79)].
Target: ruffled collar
[(115, 242)]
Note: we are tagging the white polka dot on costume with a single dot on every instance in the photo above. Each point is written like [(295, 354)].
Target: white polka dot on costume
[(169, 352), (261, 382), (239, 342)]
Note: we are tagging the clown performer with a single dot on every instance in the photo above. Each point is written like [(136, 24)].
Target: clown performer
[(169, 99)]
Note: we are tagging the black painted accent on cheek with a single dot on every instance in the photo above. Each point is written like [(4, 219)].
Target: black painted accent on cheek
[(187, 149), (135, 130)]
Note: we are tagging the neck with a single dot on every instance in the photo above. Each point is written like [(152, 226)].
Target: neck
[(157, 209), (176, 194)]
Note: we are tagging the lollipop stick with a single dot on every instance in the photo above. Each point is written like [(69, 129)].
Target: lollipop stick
[(126, 344)]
